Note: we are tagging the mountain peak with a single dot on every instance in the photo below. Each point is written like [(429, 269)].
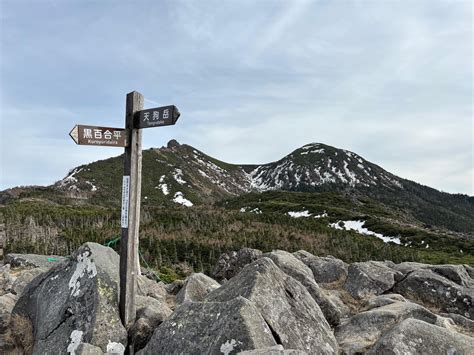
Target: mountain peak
[(317, 164), (173, 143)]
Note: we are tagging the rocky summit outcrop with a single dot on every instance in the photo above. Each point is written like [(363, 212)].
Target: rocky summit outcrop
[(266, 303)]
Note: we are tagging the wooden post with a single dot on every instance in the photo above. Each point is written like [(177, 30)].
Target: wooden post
[(2, 242), (130, 219)]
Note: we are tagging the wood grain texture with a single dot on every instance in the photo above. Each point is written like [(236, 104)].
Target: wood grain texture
[(129, 263)]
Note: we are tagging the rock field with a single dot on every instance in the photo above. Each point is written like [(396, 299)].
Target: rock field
[(252, 303)]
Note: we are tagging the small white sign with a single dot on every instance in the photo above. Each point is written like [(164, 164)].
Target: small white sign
[(125, 201)]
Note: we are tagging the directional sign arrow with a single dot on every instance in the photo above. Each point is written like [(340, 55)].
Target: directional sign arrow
[(74, 134), (102, 136), (157, 117)]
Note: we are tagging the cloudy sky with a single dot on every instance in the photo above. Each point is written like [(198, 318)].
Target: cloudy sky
[(254, 80)]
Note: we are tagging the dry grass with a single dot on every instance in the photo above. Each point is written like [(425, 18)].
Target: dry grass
[(335, 285), (354, 305), (21, 334)]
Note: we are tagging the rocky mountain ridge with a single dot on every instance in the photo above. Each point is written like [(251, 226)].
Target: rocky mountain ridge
[(255, 303), (179, 174), (308, 167)]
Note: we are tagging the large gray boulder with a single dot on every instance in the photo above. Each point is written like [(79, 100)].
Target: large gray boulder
[(150, 288), (291, 265), (196, 288), (409, 266), (412, 337), (6, 280), (434, 290), (14, 280), (88, 349), (151, 309), (465, 325), (229, 264), (333, 308), (174, 287), (7, 302), (33, 260), (294, 317), (12, 283), (370, 278), (23, 279), (361, 331), (325, 269), (382, 300), (150, 314), (75, 302), (211, 328), (455, 273), (469, 270)]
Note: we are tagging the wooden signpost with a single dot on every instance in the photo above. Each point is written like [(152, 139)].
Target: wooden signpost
[(130, 216), (2, 241), (129, 137)]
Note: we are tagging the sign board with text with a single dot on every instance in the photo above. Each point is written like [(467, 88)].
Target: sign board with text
[(157, 117), (125, 201), (104, 136)]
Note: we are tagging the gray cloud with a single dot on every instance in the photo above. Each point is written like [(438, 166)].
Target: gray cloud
[(389, 80)]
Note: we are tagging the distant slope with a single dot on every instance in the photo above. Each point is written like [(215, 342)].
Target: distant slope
[(168, 172), (180, 174)]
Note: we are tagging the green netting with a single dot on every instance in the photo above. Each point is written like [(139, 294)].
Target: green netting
[(113, 242)]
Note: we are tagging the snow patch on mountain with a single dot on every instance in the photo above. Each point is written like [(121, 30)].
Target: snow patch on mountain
[(358, 226), (70, 180), (93, 187), (208, 164), (320, 151), (310, 146), (256, 210), (203, 174), (351, 175), (164, 187), (180, 199), (305, 213), (178, 176), (221, 177), (256, 179), (299, 214)]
